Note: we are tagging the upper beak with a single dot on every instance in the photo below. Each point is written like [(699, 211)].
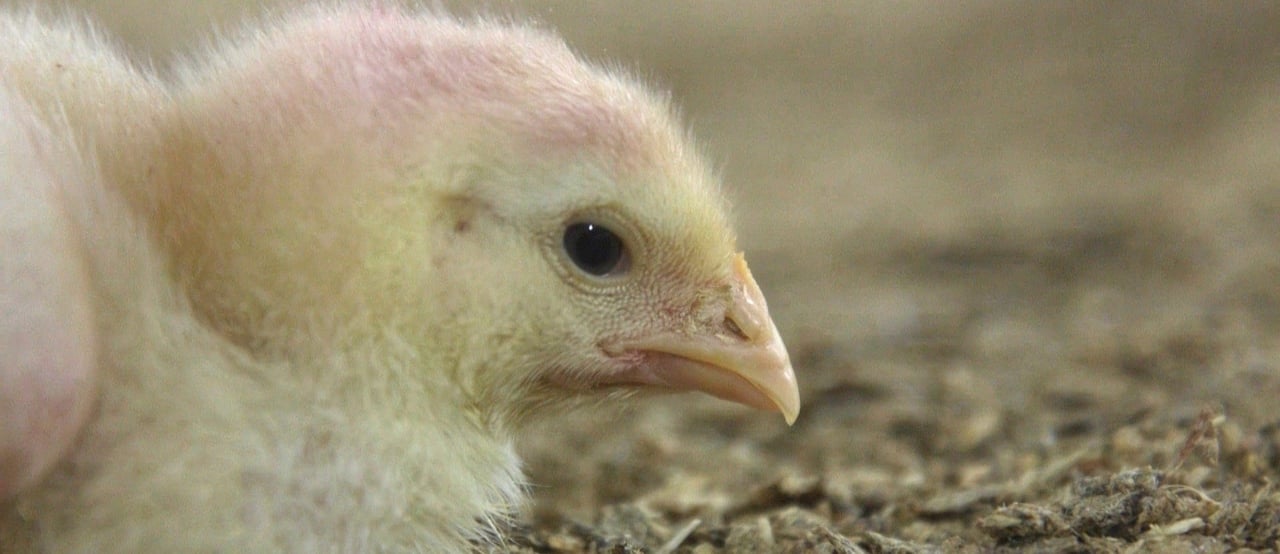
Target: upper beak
[(744, 361)]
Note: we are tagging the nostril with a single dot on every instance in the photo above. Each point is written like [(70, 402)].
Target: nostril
[(744, 320), (747, 316), (735, 329)]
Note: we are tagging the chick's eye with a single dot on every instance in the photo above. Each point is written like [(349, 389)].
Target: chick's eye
[(595, 249)]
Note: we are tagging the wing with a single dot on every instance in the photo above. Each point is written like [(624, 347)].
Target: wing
[(47, 339)]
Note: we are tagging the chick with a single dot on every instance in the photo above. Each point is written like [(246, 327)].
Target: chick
[(302, 296)]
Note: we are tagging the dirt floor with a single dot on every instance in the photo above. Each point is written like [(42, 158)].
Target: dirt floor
[(1026, 258)]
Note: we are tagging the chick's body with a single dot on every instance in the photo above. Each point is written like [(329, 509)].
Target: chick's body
[(323, 280)]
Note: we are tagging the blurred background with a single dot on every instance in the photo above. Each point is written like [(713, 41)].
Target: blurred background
[(986, 228)]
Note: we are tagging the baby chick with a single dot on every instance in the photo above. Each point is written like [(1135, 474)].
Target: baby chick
[(302, 296)]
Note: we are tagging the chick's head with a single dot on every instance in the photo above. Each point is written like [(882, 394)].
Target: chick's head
[(535, 228)]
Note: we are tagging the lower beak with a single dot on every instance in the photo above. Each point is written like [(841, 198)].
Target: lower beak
[(745, 362)]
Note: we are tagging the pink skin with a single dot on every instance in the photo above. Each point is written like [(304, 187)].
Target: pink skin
[(387, 75), (47, 340)]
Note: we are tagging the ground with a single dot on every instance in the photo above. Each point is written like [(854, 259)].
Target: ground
[(1026, 258)]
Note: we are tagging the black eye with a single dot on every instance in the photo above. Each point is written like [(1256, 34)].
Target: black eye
[(595, 249)]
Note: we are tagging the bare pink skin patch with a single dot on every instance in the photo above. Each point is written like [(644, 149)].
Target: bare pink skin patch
[(389, 77), (47, 339)]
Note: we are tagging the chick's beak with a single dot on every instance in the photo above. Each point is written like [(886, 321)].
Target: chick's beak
[(743, 361)]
